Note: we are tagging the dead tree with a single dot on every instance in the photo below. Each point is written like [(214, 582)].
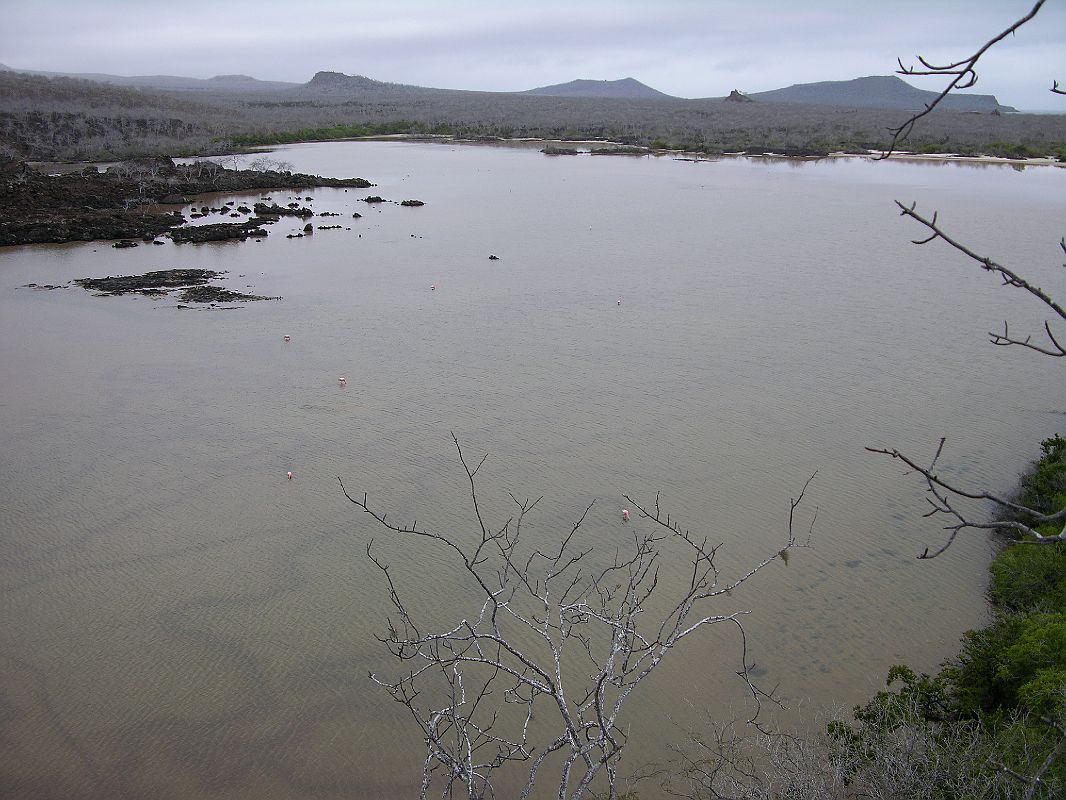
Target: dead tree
[(268, 164), (962, 72), (564, 633), (943, 496), (891, 752)]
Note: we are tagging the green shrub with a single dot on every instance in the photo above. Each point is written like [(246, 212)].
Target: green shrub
[(1030, 577), (905, 744), (1044, 489), (1033, 667), (1018, 663)]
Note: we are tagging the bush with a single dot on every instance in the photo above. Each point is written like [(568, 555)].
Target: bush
[(1033, 667), (1045, 487), (951, 735), (1030, 577)]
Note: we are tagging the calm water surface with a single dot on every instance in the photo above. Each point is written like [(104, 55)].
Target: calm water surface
[(179, 620)]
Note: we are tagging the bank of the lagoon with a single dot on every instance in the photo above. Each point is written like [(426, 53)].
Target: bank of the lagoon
[(130, 200), (183, 620), (138, 200)]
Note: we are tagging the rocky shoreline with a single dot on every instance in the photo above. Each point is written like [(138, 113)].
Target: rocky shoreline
[(124, 202)]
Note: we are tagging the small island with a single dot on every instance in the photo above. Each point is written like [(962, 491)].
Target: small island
[(191, 284)]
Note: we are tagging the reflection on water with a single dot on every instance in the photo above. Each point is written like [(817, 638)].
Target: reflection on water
[(183, 621)]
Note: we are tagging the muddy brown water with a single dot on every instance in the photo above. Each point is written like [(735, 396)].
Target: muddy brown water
[(181, 620)]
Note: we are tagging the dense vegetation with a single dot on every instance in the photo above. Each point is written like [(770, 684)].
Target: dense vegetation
[(66, 119), (990, 718)]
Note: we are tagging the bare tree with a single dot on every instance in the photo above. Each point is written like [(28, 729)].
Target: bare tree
[(891, 753), (1009, 277), (268, 164), (563, 633), (903, 744), (717, 762), (962, 72), (944, 496), (1037, 781)]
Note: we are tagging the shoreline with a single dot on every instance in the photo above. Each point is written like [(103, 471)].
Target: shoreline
[(60, 202), (137, 200), (693, 155), (67, 167)]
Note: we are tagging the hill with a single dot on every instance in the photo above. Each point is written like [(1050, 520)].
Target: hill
[(337, 83), (887, 92), (173, 83), (626, 88), (876, 91)]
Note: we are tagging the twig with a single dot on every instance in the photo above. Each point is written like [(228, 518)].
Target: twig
[(963, 75)]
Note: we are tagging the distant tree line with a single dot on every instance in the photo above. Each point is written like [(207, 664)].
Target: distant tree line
[(67, 119)]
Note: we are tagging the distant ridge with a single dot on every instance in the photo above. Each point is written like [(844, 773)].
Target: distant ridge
[(242, 83), (876, 91), (233, 79), (326, 82), (885, 92), (626, 88)]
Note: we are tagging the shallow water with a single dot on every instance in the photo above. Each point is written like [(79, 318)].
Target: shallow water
[(182, 621)]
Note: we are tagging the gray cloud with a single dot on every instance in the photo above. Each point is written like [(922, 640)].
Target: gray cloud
[(690, 48)]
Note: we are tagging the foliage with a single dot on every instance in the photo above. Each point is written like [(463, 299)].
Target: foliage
[(912, 742), (1034, 663), (979, 682), (1045, 487), (1006, 691), (902, 746), (1029, 577)]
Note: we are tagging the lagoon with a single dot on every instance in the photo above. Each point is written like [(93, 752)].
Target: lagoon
[(180, 620)]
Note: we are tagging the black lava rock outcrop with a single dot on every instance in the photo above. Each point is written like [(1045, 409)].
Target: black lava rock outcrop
[(192, 284), (220, 232), (274, 210), (120, 203), (737, 96)]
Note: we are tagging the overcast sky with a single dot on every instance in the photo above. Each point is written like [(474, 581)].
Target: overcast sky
[(688, 48)]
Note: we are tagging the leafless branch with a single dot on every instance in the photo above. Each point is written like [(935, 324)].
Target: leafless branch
[(1035, 782), (892, 750), (962, 73), (941, 496), (1038, 777), (1009, 277), (718, 762), (565, 632)]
